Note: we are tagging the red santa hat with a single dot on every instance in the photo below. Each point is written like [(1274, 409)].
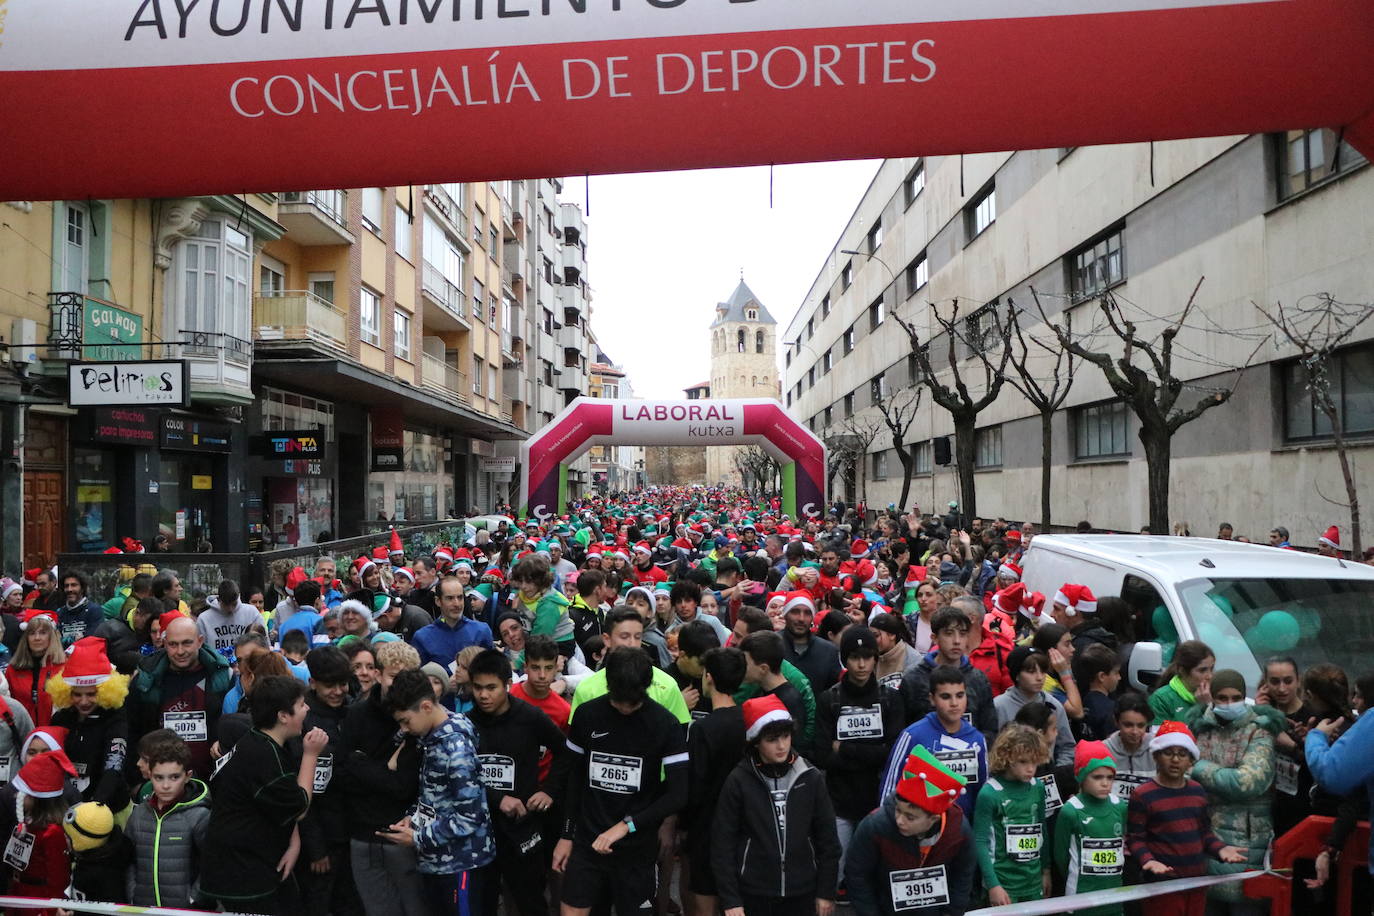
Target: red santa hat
[(1013, 535), (443, 554), (643, 547), (1009, 570), (1332, 538), (295, 577), (1010, 600), (33, 613), (763, 711), (1077, 599), (380, 556), (1089, 756), (927, 783), (915, 575), (859, 549), (52, 737), (361, 566), (131, 545), (1174, 734), (799, 599), (395, 548), (111, 550), (87, 664), (45, 776), (407, 572)]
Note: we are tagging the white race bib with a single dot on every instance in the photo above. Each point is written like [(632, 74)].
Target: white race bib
[(497, 772), (1102, 856), (1053, 802), (962, 763), (918, 888), (324, 772), (19, 849), (1023, 842), (1125, 784), (859, 722), (1286, 774), (189, 726), (614, 773), (893, 680)]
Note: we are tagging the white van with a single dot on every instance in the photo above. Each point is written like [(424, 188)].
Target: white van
[(1219, 592)]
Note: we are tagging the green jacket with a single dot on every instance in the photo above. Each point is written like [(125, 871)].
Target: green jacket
[(168, 849), (1010, 836), (1172, 702), (551, 617), (1090, 847), (1236, 767), (663, 690)]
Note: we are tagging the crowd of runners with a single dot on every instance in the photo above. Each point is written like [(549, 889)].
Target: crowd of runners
[(675, 700)]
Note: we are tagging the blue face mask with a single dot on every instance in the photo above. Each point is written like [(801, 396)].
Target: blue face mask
[(1229, 711)]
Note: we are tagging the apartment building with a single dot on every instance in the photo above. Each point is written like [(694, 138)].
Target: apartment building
[(614, 467), (1265, 219), (351, 356)]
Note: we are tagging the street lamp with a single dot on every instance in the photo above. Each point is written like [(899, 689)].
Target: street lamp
[(864, 254)]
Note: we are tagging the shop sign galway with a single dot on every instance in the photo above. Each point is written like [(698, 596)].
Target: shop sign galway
[(108, 332), (165, 383)]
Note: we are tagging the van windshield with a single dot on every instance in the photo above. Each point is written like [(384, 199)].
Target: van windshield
[(1246, 621)]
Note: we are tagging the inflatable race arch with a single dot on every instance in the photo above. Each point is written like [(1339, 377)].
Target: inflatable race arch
[(586, 422)]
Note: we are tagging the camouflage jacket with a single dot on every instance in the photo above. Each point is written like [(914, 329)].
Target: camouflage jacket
[(452, 825)]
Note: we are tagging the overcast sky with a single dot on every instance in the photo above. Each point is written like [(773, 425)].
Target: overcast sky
[(663, 248)]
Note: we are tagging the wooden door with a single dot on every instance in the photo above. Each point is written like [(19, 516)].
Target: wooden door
[(44, 519)]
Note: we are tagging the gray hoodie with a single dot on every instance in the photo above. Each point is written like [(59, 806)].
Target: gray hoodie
[(1131, 769), (1010, 703), (221, 629)]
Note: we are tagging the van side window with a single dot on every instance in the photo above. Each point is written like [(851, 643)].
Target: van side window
[(1143, 599)]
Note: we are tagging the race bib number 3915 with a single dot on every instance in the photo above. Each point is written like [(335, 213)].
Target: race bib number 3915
[(918, 888)]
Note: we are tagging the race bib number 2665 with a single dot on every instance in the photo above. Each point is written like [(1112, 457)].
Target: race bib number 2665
[(615, 773)]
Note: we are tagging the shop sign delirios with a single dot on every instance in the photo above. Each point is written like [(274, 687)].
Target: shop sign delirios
[(290, 444), (133, 383)]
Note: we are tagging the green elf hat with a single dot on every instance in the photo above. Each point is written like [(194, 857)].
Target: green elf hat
[(486, 589), (663, 587), (929, 784), (583, 537), (1089, 756)]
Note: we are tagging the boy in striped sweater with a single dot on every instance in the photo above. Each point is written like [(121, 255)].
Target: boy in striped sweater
[(1169, 830)]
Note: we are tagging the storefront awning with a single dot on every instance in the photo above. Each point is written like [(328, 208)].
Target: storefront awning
[(337, 380)]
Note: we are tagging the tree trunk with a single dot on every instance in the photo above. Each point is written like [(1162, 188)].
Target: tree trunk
[(965, 435), (1347, 475), (1157, 443), (908, 468), (1046, 456)]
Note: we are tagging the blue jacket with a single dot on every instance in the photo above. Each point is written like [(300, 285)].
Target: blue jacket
[(459, 837), (1342, 767), (75, 622), (931, 735), (440, 642)]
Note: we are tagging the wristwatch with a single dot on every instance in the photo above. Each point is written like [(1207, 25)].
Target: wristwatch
[(630, 823)]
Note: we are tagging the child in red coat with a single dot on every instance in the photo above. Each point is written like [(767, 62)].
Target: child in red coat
[(36, 851)]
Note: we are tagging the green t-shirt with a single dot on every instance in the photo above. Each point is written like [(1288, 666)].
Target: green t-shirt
[(1089, 846), (663, 690), (1009, 834)]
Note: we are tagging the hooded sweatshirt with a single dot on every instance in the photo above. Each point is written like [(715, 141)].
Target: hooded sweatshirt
[(1131, 769), (863, 721), (1009, 703), (915, 690), (965, 752), (881, 865)]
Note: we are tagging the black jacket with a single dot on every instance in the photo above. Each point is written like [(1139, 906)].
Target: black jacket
[(915, 690), (375, 795), (763, 848), (865, 721), (509, 748), (97, 746), (1086, 634), (99, 873), (326, 825), (820, 662), (121, 645)]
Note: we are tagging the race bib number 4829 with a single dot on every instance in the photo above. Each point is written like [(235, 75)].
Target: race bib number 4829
[(615, 773)]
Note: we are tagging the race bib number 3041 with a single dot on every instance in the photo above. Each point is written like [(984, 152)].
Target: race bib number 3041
[(615, 773)]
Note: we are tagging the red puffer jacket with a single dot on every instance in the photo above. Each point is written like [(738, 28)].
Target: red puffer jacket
[(28, 686)]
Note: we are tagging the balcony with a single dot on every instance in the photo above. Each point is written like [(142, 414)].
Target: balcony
[(297, 315), (446, 294), (514, 257), (446, 379), (315, 218), (220, 364), (574, 264), (451, 210)]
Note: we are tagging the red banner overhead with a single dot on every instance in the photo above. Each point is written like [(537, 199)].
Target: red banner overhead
[(142, 98)]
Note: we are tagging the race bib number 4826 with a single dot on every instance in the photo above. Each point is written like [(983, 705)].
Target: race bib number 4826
[(615, 773)]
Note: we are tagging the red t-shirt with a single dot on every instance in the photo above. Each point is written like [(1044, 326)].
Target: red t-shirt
[(553, 706), (649, 577)]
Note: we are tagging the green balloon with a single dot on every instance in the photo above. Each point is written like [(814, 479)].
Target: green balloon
[(1281, 630), (1224, 603), (1164, 625), (1211, 634)]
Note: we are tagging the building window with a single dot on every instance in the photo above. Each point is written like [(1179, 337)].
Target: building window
[(370, 317), (849, 341), (401, 335), (847, 276), (75, 259), (1306, 158), (875, 237), (829, 416), (810, 327), (479, 225), (849, 405), (922, 453), (875, 314), (987, 447), (271, 277), (479, 298), (826, 361), (493, 240), (789, 399), (981, 211), (787, 357), (811, 377), (913, 366), (740, 340), (373, 199), (321, 285), (980, 328), (880, 465), (751, 315), (825, 306), (915, 183), (441, 252), (214, 281), (1352, 390), (479, 370), (877, 388), (1100, 431), (404, 233), (1097, 266), (758, 341), (917, 273)]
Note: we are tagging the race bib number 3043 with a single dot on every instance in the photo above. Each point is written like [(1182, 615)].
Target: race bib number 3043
[(859, 722), (615, 773)]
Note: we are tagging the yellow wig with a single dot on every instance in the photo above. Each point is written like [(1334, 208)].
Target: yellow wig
[(109, 695)]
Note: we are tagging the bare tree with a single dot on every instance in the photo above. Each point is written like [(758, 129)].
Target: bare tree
[(899, 413), (1152, 390), (1317, 326), (1029, 354), (978, 334), (757, 466), (848, 446)]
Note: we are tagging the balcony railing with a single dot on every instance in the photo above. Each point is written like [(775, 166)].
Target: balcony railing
[(448, 378), (450, 208), (210, 344), (64, 327), (298, 315), (445, 292), (333, 204)]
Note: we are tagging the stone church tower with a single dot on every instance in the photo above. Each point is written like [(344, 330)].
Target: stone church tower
[(744, 364)]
